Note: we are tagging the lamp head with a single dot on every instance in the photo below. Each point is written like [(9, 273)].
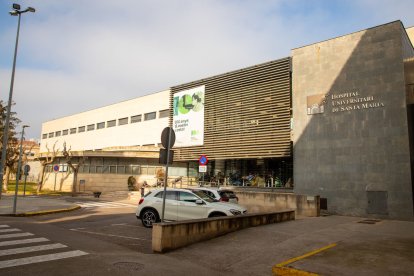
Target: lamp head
[(16, 6), (30, 9), (14, 13)]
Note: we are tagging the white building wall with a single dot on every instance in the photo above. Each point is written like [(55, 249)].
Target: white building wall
[(135, 134)]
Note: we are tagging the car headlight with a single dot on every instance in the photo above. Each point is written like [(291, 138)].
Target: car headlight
[(235, 212)]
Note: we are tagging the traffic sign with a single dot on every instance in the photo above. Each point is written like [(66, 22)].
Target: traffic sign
[(26, 169), (56, 168), (202, 168), (202, 160), (168, 138)]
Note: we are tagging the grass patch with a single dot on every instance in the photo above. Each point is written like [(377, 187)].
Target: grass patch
[(31, 189)]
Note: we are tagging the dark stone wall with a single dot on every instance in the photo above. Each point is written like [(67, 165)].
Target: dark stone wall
[(355, 141)]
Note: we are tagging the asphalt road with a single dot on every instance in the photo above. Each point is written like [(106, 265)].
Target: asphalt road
[(107, 239)]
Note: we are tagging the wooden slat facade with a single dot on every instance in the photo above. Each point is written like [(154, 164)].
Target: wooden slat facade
[(246, 115)]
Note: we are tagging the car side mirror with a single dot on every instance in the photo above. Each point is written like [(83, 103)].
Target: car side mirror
[(199, 202)]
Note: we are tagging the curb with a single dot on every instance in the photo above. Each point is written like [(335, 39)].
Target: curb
[(40, 213)]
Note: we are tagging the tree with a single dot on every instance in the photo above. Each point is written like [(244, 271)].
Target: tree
[(73, 165), (12, 150), (44, 161)]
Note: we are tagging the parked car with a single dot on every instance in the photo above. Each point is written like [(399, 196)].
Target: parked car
[(224, 195), (182, 204)]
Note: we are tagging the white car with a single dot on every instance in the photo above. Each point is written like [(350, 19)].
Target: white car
[(221, 194), (182, 204)]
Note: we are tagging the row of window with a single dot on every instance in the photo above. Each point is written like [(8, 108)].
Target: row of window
[(112, 123), (119, 169)]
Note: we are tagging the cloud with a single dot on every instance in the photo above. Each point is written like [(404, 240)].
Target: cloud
[(77, 55)]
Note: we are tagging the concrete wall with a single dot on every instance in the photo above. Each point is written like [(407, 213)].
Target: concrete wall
[(256, 202), (353, 149), (142, 133), (169, 236)]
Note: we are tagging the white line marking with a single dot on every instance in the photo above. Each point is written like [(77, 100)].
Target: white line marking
[(104, 204), (15, 235), (31, 249), (127, 225), (6, 243), (109, 235), (9, 230), (41, 258), (4, 226)]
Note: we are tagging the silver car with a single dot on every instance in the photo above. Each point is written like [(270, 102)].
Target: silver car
[(182, 204)]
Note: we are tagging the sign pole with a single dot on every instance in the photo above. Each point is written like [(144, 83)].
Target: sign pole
[(166, 175)]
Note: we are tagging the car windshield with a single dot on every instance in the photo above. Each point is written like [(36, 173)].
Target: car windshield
[(203, 196)]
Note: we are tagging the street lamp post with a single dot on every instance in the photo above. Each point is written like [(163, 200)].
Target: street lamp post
[(19, 165), (15, 12)]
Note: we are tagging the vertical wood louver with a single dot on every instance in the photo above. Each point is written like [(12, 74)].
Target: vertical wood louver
[(247, 113)]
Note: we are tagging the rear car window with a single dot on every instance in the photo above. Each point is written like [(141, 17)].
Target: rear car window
[(229, 194), (172, 195)]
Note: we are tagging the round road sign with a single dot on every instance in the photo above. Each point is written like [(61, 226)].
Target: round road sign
[(56, 168), (203, 160), (168, 137)]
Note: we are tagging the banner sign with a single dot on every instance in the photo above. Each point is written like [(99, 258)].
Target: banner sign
[(188, 117)]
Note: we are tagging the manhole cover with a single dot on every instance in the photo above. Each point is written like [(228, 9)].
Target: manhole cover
[(130, 266), (369, 221)]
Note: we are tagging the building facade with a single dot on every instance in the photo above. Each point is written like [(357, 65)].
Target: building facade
[(352, 123), (334, 119)]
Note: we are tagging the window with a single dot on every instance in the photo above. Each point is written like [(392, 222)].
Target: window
[(136, 119), (44, 136), (81, 129), (150, 116), (172, 195), (65, 132), (122, 121), (58, 133), (111, 123), (73, 130), (51, 134), (91, 127), (184, 196), (100, 125), (164, 113)]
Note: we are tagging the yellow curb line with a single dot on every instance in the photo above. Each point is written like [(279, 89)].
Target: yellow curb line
[(279, 269), (40, 213)]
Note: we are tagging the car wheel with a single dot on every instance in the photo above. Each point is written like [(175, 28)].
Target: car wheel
[(149, 217)]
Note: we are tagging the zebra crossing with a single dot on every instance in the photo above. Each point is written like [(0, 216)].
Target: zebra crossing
[(15, 244), (103, 204)]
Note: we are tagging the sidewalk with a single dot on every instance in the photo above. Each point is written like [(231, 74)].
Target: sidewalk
[(34, 205)]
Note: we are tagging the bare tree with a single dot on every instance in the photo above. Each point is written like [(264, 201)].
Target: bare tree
[(44, 161), (73, 165)]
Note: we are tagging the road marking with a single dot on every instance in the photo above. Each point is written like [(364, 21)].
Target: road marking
[(41, 258), (31, 249), (280, 269), (9, 230), (125, 224), (15, 235), (109, 235), (6, 243), (106, 204), (4, 226)]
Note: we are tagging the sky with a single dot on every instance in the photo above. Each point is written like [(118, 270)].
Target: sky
[(77, 55)]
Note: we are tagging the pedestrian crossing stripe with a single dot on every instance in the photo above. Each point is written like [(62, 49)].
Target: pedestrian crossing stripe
[(7, 236), (29, 249), (41, 258), (15, 242), (9, 230)]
